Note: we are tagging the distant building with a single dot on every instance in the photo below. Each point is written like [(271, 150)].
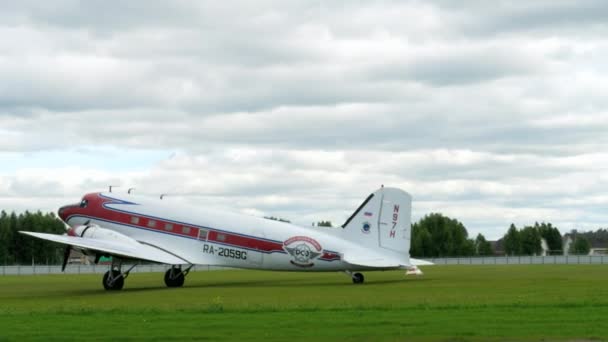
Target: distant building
[(77, 258), (498, 247), (598, 249)]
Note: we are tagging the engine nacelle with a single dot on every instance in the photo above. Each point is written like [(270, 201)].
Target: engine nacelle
[(94, 231)]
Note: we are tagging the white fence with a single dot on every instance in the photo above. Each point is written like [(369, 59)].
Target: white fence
[(89, 269), (512, 260), (524, 260)]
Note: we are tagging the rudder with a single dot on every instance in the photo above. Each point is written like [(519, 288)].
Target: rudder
[(383, 221)]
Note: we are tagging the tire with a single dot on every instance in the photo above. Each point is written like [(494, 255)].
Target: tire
[(358, 278), (174, 282), (118, 283)]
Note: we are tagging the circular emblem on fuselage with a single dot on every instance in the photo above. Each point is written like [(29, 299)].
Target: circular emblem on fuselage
[(303, 250), (366, 227)]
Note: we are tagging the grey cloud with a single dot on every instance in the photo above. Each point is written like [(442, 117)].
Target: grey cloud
[(464, 69), (549, 17)]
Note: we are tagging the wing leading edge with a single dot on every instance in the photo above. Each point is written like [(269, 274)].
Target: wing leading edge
[(132, 250)]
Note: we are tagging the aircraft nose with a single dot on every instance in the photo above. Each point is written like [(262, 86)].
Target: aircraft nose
[(62, 212)]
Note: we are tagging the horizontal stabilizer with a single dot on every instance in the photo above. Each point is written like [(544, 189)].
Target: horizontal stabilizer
[(371, 260), (420, 262), (133, 250)]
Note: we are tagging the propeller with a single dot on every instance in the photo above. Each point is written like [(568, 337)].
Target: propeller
[(66, 256), (68, 249)]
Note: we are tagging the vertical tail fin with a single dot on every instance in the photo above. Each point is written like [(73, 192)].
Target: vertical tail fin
[(382, 221)]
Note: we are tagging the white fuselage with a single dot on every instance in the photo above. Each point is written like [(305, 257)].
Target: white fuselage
[(211, 237)]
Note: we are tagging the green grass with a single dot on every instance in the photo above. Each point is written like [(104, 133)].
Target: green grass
[(449, 303)]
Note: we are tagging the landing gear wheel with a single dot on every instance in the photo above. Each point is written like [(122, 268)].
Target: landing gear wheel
[(174, 277), (358, 278), (113, 282)]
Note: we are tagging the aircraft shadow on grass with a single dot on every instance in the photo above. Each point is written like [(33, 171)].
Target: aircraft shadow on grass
[(269, 284), (256, 284)]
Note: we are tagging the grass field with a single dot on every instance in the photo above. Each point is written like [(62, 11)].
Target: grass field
[(449, 303)]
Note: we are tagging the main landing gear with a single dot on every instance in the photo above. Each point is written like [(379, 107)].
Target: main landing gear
[(114, 279), (174, 277), (357, 277)]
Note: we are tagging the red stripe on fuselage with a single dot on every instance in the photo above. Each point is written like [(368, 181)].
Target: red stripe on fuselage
[(100, 208), (244, 242)]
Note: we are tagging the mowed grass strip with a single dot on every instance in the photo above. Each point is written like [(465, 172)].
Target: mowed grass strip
[(533, 302)]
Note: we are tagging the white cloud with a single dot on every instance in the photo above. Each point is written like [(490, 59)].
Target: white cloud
[(489, 112)]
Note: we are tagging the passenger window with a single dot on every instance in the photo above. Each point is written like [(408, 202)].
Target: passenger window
[(186, 230), (151, 223), (168, 227), (202, 234), (134, 219)]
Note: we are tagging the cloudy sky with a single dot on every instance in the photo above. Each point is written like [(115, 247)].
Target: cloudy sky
[(488, 111)]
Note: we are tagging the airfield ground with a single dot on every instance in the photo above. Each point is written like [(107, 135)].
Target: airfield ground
[(449, 303)]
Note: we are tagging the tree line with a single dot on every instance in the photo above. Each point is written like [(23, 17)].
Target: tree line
[(527, 241), (436, 235), (19, 249)]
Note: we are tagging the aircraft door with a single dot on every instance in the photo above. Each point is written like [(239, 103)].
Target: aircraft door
[(256, 256)]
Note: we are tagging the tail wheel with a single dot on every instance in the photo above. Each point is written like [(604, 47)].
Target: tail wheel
[(358, 278), (174, 277), (114, 281)]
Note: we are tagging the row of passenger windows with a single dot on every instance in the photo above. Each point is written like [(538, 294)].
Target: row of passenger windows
[(168, 226)]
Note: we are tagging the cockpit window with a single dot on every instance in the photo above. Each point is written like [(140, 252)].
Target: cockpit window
[(84, 203)]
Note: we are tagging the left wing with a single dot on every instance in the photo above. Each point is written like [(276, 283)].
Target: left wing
[(127, 248)]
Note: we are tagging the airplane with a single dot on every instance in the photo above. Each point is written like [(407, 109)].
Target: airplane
[(128, 227)]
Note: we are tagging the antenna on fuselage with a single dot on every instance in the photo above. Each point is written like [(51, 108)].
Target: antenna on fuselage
[(162, 195), (112, 186), (129, 191)]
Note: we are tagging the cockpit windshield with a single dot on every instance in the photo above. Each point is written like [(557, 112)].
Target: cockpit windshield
[(84, 203)]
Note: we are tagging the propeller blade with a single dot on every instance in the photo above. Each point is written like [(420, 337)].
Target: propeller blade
[(66, 256)]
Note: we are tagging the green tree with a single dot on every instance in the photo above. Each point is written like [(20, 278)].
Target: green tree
[(467, 248), (17, 248), (449, 237), (553, 238), (422, 242), (482, 246), (512, 241), (530, 240), (5, 239), (580, 246)]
